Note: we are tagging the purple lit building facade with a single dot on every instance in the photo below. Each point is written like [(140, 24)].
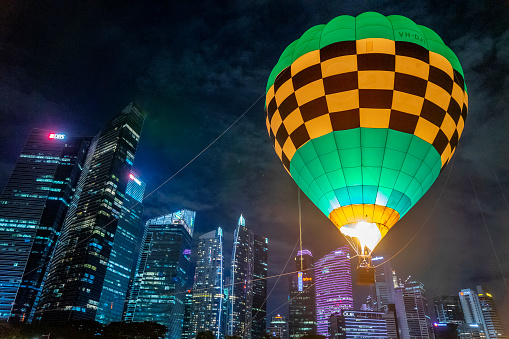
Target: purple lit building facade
[(333, 287)]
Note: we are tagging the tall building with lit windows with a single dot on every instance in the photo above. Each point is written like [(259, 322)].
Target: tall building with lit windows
[(333, 287), (79, 268), (302, 308), (491, 318), (382, 291), (261, 248), (278, 327), (209, 303), (352, 324), (471, 307), (240, 303), (448, 309), (248, 288), (159, 289), (33, 206), (412, 311), (122, 256), (187, 332)]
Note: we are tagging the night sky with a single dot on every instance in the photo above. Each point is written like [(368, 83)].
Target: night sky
[(196, 66)]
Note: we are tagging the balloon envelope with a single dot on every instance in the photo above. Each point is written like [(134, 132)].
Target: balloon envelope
[(364, 112)]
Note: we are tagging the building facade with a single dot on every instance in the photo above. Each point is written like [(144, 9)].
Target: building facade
[(471, 331), (448, 309), (412, 311), (302, 307), (278, 327), (209, 303), (491, 318), (122, 257), (33, 207), (76, 275), (159, 291), (247, 294), (187, 332), (333, 287), (471, 307), (352, 324), (382, 291), (260, 265)]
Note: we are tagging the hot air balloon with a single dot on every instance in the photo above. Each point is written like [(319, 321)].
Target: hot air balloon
[(364, 113)]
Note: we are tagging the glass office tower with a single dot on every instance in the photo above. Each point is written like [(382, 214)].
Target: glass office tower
[(159, 291), (247, 294), (209, 303), (33, 206), (302, 308), (77, 272), (333, 287), (119, 271), (240, 302), (448, 309), (261, 248), (187, 331)]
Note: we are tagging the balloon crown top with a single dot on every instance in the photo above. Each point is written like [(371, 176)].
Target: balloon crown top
[(364, 26)]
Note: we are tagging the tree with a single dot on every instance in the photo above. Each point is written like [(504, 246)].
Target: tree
[(233, 337), (205, 335), (135, 330), (75, 330)]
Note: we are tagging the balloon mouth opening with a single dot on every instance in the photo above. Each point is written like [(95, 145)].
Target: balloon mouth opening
[(367, 233)]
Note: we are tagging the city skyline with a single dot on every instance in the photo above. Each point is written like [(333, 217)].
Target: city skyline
[(202, 67), (159, 235)]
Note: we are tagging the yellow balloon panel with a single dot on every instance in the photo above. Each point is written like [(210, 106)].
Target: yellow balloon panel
[(384, 217)]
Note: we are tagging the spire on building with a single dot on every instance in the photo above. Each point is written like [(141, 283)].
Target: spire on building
[(242, 221)]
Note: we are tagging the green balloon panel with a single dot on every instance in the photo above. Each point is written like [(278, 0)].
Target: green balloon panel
[(365, 25), (365, 166)]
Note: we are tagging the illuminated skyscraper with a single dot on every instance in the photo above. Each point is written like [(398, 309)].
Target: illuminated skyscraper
[(333, 287), (246, 311), (492, 321), (122, 257), (302, 308), (261, 248), (33, 206), (77, 272), (161, 278), (240, 303), (448, 309), (209, 303), (188, 309), (412, 311), (471, 307), (382, 291)]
